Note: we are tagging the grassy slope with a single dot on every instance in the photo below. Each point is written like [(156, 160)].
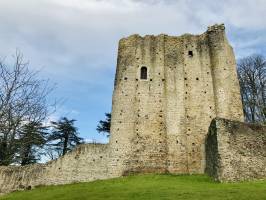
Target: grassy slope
[(148, 187)]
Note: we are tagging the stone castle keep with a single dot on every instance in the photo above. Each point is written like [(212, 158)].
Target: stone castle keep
[(167, 92), (160, 121)]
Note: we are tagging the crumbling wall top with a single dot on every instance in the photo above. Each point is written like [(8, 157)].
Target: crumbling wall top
[(211, 29), (216, 27)]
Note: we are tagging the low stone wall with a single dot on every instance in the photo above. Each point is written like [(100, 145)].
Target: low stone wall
[(235, 151), (85, 163)]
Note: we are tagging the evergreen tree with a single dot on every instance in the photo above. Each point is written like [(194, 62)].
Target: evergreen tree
[(32, 137), (64, 135), (105, 125)]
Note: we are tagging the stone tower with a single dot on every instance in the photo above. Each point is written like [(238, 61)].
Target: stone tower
[(167, 91)]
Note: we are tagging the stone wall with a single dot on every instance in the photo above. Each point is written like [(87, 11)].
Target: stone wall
[(160, 124), (85, 163), (236, 151)]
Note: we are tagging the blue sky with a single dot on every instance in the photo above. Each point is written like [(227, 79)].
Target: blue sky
[(74, 42)]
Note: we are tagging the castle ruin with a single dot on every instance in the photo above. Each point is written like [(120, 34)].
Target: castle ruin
[(167, 91)]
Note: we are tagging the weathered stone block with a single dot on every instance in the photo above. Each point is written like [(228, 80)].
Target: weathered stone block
[(235, 151)]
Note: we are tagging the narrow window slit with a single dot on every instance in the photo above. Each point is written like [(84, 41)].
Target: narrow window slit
[(143, 73)]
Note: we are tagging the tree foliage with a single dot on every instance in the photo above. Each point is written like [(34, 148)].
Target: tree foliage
[(64, 135), (105, 125), (32, 137), (252, 79)]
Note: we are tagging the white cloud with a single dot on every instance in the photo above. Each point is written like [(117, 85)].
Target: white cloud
[(60, 112), (66, 36)]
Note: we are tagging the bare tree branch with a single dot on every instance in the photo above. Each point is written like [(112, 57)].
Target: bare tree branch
[(252, 79), (23, 99)]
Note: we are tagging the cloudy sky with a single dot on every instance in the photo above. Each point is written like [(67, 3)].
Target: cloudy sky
[(74, 42)]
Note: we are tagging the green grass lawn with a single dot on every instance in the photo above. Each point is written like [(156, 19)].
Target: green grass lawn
[(195, 187)]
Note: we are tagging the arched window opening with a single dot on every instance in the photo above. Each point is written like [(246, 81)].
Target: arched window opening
[(143, 73)]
